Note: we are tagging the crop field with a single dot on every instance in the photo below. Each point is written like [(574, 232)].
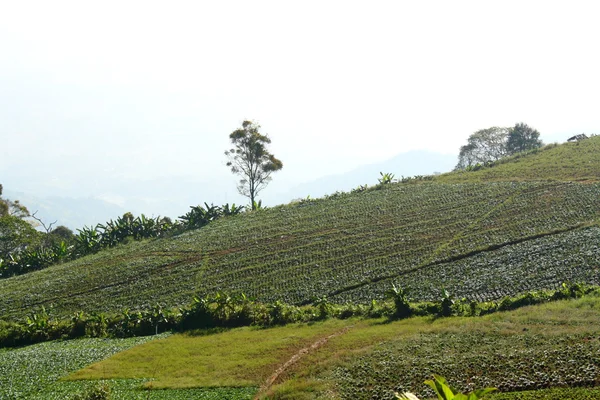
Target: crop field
[(545, 262), (554, 346), (349, 246), (31, 371), (508, 362)]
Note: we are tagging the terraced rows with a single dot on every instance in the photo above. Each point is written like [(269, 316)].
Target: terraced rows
[(322, 247)]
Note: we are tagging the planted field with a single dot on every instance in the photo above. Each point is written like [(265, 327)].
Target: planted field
[(541, 347), (337, 246), (545, 262), (31, 371), (550, 346)]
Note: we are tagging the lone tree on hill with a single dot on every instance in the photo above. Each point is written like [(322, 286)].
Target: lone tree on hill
[(483, 146), (522, 137), (250, 159)]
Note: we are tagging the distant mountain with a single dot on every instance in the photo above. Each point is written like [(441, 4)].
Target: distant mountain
[(418, 162)]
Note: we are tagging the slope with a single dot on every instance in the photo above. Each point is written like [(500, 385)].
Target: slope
[(482, 240), (577, 161)]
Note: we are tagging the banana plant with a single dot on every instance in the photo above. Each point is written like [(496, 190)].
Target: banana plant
[(401, 301), (386, 178), (445, 392)]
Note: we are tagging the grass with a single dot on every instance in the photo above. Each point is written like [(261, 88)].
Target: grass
[(526, 348), (568, 161), (239, 357), (529, 348)]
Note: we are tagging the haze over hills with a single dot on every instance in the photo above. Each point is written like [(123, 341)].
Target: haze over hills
[(111, 195)]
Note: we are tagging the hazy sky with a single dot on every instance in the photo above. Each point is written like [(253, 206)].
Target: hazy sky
[(112, 92)]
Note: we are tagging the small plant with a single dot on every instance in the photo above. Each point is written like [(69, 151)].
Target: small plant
[(445, 392), (101, 391), (401, 302), (386, 178)]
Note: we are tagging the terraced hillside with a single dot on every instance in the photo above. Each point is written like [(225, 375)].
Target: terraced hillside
[(480, 240)]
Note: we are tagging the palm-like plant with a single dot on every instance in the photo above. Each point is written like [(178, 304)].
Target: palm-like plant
[(445, 392)]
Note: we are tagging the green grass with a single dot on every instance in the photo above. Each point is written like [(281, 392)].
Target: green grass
[(239, 357), (549, 345), (555, 344), (569, 161)]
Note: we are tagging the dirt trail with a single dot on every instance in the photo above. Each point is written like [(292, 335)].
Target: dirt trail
[(273, 378)]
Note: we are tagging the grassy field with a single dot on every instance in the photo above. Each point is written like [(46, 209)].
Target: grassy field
[(540, 347)]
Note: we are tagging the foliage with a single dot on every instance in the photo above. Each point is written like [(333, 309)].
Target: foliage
[(250, 159), (27, 371), (483, 146), (568, 162), (200, 216), (100, 391), (444, 392), (522, 137), (512, 361), (476, 240), (401, 305), (386, 178)]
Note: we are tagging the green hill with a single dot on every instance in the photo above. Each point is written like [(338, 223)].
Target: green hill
[(577, 161), (479, 239), (526, 223)]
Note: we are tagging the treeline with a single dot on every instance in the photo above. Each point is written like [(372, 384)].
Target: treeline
[(31, 250), (224, 310)]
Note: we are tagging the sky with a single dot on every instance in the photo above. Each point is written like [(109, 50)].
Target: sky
[(123, 100)]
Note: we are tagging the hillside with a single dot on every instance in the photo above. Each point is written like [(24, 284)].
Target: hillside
[(577, 161), (479, 239)]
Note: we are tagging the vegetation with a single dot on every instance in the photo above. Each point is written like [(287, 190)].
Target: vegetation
[(522, 138), (344, 248), (444, 392), (250, 159), (487, 146), (470, 243), (29, 372), (545, 346), (576, 161)]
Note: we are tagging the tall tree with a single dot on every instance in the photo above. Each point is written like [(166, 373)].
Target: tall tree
[(522, 137), (250, 159), (483, 146), (16, 233)]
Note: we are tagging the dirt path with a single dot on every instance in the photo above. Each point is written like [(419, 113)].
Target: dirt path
[(273, 378)]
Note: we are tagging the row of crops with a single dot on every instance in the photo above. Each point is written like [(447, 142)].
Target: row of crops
[(475, 360), (545, 262), (30, 371), (350, 246)]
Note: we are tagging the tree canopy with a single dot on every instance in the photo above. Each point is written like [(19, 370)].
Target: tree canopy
[(483, 146), (522, 137), (250, 159), (491, 144)]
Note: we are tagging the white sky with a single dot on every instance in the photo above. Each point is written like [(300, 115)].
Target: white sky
[(140, 90)]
